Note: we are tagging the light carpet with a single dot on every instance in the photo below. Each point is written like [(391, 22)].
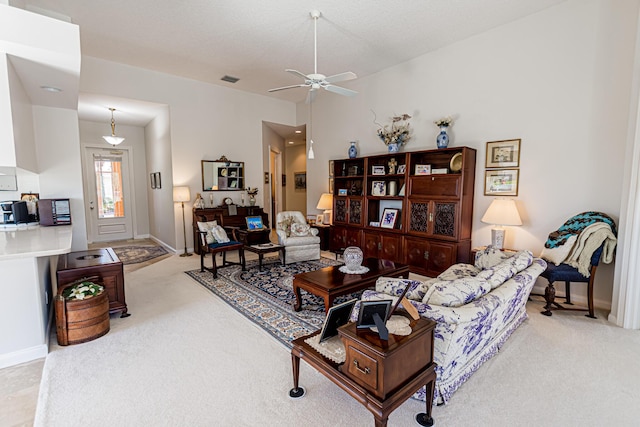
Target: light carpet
[(266, 297), (186, 358)]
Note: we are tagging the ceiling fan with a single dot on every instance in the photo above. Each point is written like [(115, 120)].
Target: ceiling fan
[(316, 81)]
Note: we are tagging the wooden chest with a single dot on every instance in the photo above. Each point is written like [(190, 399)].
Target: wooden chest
[(79, 321), (100, 263)]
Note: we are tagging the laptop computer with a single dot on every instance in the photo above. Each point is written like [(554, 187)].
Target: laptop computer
[(337, 316)]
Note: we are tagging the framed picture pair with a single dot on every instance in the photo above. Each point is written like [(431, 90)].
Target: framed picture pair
[(502, 168)]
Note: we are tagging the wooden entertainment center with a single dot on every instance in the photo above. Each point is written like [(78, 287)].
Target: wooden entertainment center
[(432, 192)]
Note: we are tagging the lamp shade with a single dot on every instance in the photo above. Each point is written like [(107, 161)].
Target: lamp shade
[(181, 194), (113, 140), (502, 212), (325, 202)]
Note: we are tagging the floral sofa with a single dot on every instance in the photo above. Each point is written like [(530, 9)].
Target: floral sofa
[(475, 307)]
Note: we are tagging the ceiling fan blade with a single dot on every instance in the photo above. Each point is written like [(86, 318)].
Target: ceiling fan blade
[(340, 90), (341, 77), (286, 87), (297, 73)]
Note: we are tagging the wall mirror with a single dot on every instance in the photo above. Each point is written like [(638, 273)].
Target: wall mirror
[(222, 175)]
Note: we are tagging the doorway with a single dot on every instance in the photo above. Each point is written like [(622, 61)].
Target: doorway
[(275, 173), (108, 195)]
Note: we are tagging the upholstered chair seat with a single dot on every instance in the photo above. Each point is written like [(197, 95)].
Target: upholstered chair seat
[(301, 242)]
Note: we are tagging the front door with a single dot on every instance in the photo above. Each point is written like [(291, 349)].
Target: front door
[(109, 202)]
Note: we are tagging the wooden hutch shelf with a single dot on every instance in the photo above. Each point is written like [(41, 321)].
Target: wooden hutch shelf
[(432, 194)]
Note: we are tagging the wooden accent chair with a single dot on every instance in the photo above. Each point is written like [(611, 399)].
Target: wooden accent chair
[(568, 274), (215, 248)]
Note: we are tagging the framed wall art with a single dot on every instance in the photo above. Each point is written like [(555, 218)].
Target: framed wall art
[(503, 154), (300, 180), (503, 182)]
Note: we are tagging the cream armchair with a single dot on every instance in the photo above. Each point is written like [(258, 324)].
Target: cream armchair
[(300, 241)]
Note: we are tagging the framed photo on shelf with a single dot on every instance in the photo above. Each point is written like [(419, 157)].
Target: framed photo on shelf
[(389, 217), (401, 169), (378, 188), (503, 182), (503, 154), (423, 169), (342, 192), (377, 170)]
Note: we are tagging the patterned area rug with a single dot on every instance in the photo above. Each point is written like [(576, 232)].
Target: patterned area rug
[(266, 297), (137, 254)]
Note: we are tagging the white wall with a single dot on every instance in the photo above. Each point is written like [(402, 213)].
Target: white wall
[(91, 135), (273, 141), (160, 200), (22, 122), (58, 150), (560, 80), (206, 122), (7, 146)]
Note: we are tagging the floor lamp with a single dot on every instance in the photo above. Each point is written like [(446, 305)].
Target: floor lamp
[(181, 195)]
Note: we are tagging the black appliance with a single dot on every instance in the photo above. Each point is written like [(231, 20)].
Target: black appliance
[(20, 212)]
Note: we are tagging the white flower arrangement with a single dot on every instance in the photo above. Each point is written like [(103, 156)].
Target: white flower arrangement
[(444, 122), (82, 290), (397, 133), (251, 191)]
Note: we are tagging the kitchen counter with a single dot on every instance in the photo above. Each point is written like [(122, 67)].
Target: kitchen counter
[(20, 241)]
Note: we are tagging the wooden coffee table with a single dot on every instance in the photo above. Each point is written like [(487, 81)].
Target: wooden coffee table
[(330, 282)]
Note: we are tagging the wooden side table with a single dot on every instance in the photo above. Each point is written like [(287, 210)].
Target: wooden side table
[(324, 234), (379, 374), (265, 248)]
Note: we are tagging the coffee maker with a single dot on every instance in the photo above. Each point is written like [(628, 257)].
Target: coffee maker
[(14, 212)]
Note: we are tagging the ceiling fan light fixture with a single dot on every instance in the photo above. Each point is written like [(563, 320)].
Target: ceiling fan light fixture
[(315, 80), (113, 139)]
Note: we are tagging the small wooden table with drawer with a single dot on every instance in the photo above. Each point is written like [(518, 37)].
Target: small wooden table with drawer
[(379, 374)]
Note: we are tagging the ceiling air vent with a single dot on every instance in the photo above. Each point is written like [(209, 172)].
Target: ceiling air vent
[(229, 79)]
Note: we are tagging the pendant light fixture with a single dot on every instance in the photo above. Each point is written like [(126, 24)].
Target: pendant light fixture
[(113, 139)]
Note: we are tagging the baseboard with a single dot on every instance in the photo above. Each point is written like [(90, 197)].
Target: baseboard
[(23, 356), (164, 245)]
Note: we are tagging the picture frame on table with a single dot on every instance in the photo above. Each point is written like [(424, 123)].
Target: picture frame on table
[(501, 182), (423, 169), (370, 308), (342, 192), (320, 219), (401, 169), (503, 154), (389, 218), (378, 188), (377, 170)]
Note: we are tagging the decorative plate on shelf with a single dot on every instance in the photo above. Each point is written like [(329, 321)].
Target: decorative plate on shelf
[(456, 163)]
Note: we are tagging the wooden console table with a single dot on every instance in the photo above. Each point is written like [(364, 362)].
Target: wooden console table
[(379, 374)]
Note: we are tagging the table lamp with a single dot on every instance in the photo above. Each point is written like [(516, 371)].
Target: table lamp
[(326, 204), (501, 212), (181, 195)]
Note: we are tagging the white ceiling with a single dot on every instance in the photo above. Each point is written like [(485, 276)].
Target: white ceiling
[(255, 40)]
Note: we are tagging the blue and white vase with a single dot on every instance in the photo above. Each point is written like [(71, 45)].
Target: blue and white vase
[(443, 139), (353, 151), (393, 147)]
